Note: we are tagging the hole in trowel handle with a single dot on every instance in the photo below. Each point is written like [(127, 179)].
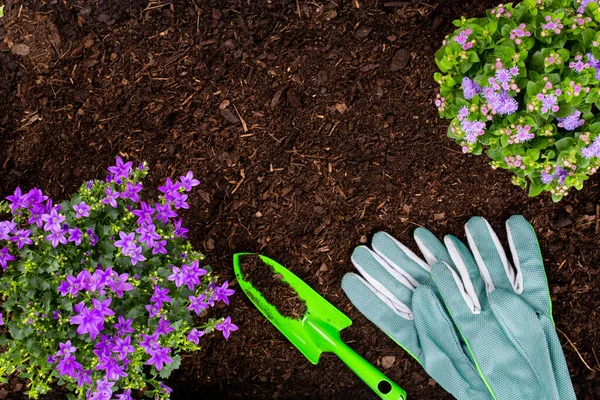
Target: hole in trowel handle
[(384, 387)]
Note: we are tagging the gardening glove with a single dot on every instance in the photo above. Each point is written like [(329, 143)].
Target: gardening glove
[(503, 311), (396, 292)]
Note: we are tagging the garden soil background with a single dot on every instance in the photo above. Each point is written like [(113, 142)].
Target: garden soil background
[(311, 126)]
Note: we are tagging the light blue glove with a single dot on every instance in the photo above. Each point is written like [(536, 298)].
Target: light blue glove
[(395, 291), (503, 311)]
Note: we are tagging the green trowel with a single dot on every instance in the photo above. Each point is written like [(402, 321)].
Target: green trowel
[(318, 330)]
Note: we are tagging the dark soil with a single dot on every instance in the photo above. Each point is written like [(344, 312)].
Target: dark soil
[(311, 126), (271, 285)]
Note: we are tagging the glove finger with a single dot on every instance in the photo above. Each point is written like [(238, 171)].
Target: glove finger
[(444, 357), (522, 326), (432, 249), (453, 292), (529, 264), (468, 270), (401, 258), (389, 283), (491, 259), (374, 307), (559, 364)]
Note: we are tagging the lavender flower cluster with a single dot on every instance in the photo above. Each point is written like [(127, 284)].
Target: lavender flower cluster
[(524, 85), (103, 284)]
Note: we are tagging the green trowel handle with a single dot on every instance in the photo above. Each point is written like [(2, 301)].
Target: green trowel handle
[(378, 382)]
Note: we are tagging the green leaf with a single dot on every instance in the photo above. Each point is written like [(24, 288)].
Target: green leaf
[(464, 66), (167, 369), (1, 11), (564, 111), (537, 61), (534, 189), (564, 144), (588, 36), (534, 154), (532, 89)]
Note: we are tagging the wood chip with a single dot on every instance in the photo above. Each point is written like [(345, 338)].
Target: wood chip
[(388, 361), (20, 49), (229, 116), (400, 60), (341, 107), (363, 32)]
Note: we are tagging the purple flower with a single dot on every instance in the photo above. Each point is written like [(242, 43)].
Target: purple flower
[(123, 326), (131, 192), (147, 234), (177, 276), (192, 274), (222, 293), (102, 307), (470, 88), (35, 196), (170, 189), (1, 320), (159, 296), (111, 197), (55, 314), (65, 349), (571, 122), (476, 128), (126, 242), (81, 210), (159, 357), (159, 247), (53, 221), (92, 237), (179, 230), (22, 238), (149, 342), (164, 212), (121, 170), (179, 201), (7, 227), (560, 174), (195, 335), (226, 327), (123, 347), (89, 321), (463, 113), (503, 75), (164, 326), (502, 103), (135, 254), (36, 210), (83, 377), (188, 181), (17, 200), (56, 238), (119, 284), (145, 214), (68, 365), (164, 388), (524, 133), (197, 304), (103, 390), (126, 395), (90, 184), (153, 310), (75, 235), (593, 150)]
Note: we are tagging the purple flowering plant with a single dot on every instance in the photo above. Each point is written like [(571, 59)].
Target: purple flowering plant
[(523, 84), (102, 292)]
